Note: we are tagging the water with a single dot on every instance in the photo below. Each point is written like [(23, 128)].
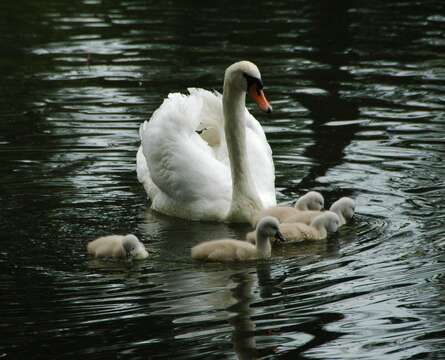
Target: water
[(358, 92)]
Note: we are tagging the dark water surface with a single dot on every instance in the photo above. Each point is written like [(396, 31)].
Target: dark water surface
[(358, 89)]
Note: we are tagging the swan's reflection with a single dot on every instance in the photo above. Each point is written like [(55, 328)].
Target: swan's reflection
[(243, 334), (182, 234), (330, 40)]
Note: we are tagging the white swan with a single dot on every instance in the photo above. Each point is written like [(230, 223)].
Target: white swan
[(203, 156), (343, 207), (118, 246), (238, 250), (326, 222), (312, 200)]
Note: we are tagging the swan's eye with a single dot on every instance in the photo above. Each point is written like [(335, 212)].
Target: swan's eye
[(253, 81)]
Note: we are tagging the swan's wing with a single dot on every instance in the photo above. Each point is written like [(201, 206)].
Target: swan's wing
[(211, 126), (254, 125), (144, 175), (180, 163), (211, 116)]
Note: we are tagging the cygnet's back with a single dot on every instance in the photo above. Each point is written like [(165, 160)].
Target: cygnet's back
[(305, 217), (237, 250), (310, 201)]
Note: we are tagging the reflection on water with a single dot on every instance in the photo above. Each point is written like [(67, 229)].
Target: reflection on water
[(358, 91)]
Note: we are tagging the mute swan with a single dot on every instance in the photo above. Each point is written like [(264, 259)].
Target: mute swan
[(312, 200), (323, 224), (343, 207), (203, 156), (119, 246), (233, 250)]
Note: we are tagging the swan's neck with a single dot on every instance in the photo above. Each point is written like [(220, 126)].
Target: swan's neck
[(263, 246), (245, 201)]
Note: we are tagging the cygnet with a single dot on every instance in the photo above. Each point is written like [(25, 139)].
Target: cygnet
[(343, 207), (312, 200), (326, 222), (238, 250), (118, 246)]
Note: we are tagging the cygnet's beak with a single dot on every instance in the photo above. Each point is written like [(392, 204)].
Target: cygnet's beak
[(141, 254), (279, 237), (257, 94)]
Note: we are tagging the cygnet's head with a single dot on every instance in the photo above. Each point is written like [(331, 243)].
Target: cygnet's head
[(245, 76), (133, 247), (344, 206), (270, 227), (329, 220), (312, 200)]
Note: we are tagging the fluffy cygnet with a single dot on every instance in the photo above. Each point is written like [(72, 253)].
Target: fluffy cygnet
[(326, 222), (312, 200), (238, 250), (343, 207), (119, 246)]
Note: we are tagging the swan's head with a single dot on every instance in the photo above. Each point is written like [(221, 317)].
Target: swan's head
[(245, 76), (312, 200), (329, 220), (133, 247), (344, 206), (269, 227)]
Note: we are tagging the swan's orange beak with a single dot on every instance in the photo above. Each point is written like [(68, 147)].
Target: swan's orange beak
[(258, 96)]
